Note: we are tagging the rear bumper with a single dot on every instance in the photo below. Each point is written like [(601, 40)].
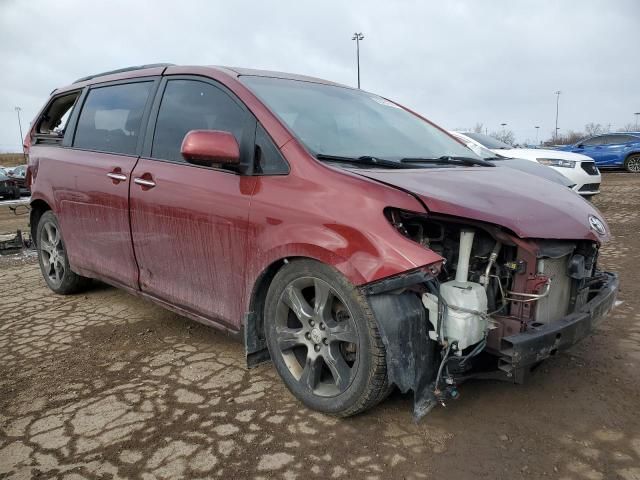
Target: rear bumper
[(526, 349)]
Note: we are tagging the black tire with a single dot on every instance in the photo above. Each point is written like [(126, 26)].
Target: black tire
[(632, 163), (311, 358), (53, 260)]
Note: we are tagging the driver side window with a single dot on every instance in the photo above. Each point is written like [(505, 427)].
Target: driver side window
[(193, 105), (592, 141)]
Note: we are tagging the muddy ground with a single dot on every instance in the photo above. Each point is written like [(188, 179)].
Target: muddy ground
[(105, 385)]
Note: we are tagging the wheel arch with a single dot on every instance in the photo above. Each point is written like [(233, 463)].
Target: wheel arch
[(633, 152), (253, 323), (38, 207)]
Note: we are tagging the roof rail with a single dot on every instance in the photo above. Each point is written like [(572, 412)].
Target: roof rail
[(121, 70)]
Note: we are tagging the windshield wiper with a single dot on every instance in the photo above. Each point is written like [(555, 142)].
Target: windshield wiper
[(450, 160), (363, 160)]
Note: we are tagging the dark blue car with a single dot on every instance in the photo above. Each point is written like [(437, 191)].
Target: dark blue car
[(611, 150)]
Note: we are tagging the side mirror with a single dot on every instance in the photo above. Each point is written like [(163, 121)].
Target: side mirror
[(208, 147), (579, 145)]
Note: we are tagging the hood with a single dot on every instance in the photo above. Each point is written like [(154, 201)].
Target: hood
[(534, 168), (534, 153), (528, 206)]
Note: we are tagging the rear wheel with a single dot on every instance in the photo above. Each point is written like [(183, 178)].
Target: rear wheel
[(52, 256), (632, 163), (324, 341)]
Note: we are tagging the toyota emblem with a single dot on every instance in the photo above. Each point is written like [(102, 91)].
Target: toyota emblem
[(597, 225)]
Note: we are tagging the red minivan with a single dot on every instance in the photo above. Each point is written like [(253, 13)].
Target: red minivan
[(351, 241)]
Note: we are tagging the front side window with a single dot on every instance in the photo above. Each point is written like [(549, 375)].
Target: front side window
[(594, 141), (193, 105), (111, 118), (268, 159), (340, 121)]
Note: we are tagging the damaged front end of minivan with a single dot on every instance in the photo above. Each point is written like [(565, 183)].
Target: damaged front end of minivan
[(494, 307)]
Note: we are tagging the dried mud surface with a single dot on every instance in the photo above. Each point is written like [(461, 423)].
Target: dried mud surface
[(104, 385)]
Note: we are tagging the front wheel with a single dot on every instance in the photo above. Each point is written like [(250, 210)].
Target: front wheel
[(324, 341), (52, 256), (632, 163)]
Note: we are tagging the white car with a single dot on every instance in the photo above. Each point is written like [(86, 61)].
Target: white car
[(580, 169)]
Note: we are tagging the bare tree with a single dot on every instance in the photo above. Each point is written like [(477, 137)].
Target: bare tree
[(591, 129), (568, 138), (506, 136), (478, 127), (629, 127)]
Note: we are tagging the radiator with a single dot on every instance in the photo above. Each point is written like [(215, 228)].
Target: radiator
[(555, 305)]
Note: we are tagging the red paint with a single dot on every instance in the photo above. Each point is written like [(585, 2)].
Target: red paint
[(210, 146), (92, 209), (190, 235), (498, 196), (197, 239)]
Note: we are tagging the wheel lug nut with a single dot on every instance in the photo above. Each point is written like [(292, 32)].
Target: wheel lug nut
[(325, 341), (312, 323), (307, 336), (321, 326), (317, 348)]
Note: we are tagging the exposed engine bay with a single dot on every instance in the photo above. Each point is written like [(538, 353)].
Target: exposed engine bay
[(491, 287)]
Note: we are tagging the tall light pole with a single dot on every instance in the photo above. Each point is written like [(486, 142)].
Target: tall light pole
[(557, 93), (636, 114), (18, 110), (537, 127), (357, 37)]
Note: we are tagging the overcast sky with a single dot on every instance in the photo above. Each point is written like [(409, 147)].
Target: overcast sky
[(456, 62)]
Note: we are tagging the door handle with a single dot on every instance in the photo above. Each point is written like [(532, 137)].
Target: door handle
[(143, 182), (118, 177)]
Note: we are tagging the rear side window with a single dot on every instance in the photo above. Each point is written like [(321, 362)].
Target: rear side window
[(111, 118), (193, 105), (618, 139), (52, 125)]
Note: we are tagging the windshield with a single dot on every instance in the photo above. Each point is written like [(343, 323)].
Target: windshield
[(340, 121), (487, 141), (479, 150)]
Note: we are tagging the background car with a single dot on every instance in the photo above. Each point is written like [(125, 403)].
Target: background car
[(580, 169), (611, 150), (519, 164), (8, 187), (19, 174)]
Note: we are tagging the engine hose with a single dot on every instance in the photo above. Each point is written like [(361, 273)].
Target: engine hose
[(445, 358), (474, 352), (443, 306)]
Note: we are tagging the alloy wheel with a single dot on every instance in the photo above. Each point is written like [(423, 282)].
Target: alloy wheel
[(633, 164), (53, 254), (317, 336)]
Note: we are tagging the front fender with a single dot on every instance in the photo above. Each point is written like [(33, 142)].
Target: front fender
[(361, 256)]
